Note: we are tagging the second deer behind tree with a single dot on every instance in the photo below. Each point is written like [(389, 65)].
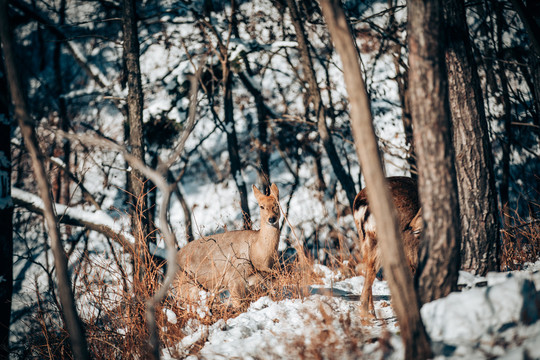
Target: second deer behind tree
[(404, 193), (234, 260)]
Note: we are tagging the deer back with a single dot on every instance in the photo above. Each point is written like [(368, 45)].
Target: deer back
[(216, 260)]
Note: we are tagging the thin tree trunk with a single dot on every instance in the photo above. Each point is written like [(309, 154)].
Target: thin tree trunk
[(27, 124), (137, 184), (232, 145), (135, 109), (504, 187), (263, 170), (62, 110), (403, 92), (439, 255), (533, 31), (473, 156), (263, 145), (404, 297), (187, 212), (343, 177), (6, 221)]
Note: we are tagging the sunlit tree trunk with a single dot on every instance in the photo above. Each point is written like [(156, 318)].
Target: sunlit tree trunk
[(404, 297), (473, 156), (439, 255)]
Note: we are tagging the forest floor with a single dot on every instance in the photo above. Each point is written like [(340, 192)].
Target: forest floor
[(495, 316)]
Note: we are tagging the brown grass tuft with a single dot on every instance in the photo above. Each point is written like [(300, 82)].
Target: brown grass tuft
[(520, 242)]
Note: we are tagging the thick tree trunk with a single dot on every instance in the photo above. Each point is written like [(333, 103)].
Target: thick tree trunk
[(473, 156), (439, 256), (137, 181), (404, 297), (6, 220), (343, 177), (26, 124)]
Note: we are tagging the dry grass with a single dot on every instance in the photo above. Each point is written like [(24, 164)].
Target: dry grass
[(520, 242), (331, 339), (114, 309), (114, 305)]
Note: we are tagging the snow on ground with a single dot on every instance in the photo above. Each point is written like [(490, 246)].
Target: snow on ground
[(492, 317)]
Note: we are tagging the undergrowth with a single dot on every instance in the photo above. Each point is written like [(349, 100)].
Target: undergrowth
[(520, 242), (114, 309), (112, 305)]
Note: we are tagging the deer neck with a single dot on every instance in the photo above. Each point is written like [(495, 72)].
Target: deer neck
[(263, 251)]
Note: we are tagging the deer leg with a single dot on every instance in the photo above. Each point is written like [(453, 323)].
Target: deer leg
[(367, 309), (237, 290), (187, 291)]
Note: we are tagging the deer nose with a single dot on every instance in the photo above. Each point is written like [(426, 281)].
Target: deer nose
[(272, 220)]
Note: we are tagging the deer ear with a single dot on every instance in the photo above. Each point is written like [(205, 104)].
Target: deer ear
[(274, 191), (258, 194)]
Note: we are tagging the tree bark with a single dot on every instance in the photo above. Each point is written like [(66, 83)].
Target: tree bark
[(262, 145), (439, 255), (343, 177), (27, 124), (403, 91), (62, 110), (232, 145), (6, 221), (506, 117), (137, 188), (137, 183), (473, 156), (404, 297)]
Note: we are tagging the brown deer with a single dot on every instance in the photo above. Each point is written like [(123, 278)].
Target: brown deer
[(404, 192), (234, 260)]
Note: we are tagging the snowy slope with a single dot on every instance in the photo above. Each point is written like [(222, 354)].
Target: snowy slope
[(499, 320)]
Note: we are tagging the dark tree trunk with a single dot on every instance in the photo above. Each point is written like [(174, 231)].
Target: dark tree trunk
[(6, 219), (404, 297), (262, 144), (263, 170), (187, 211), (532, 26), (27, 125), (62, 111), (473, 156), (402, 78), (504, 187), (137, 182), (439, 256), (343, 176), (232, 146)]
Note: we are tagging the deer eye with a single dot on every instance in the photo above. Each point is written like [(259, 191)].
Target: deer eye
[(262, 207)]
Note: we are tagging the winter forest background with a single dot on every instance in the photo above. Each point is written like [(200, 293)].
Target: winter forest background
[(224, 93)]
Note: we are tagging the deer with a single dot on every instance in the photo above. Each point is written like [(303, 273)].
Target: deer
[(235, 260), (404, 192)]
